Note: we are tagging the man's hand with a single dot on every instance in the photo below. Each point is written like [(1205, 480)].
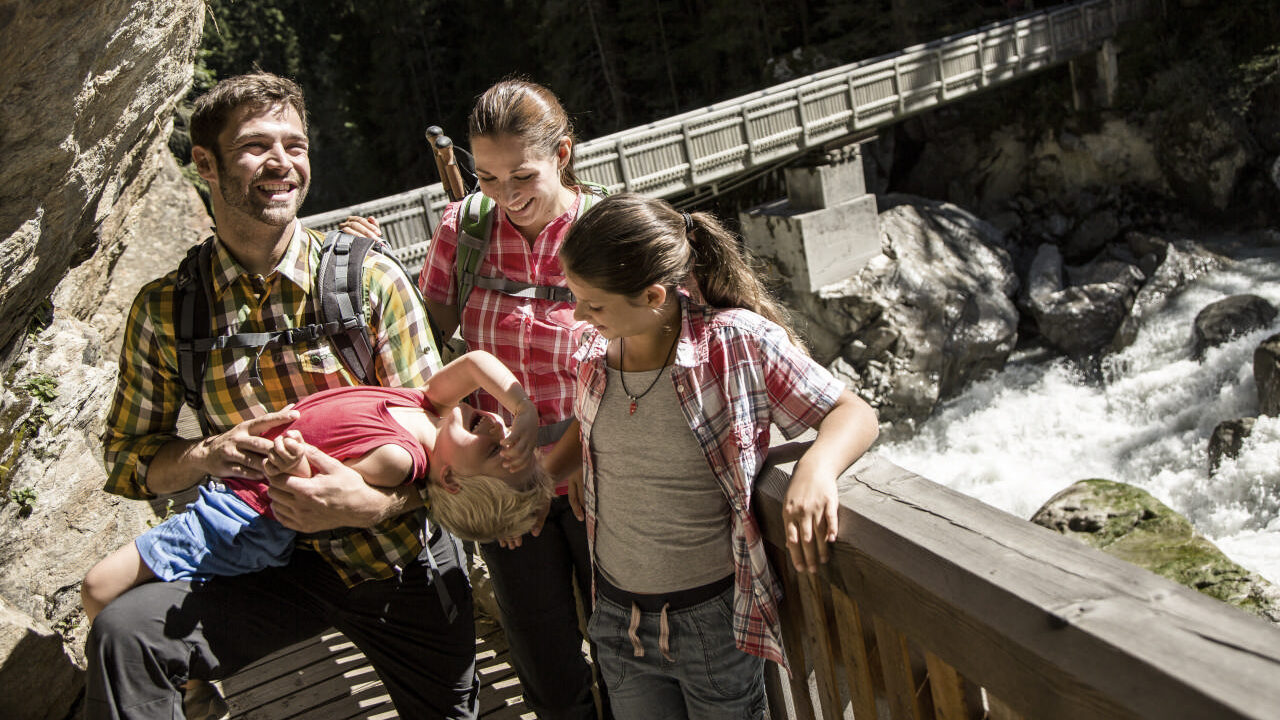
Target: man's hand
[(362, 226), (334, 496), (240, 451)]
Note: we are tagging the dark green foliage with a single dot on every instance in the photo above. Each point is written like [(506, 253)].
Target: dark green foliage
[(378, 72)]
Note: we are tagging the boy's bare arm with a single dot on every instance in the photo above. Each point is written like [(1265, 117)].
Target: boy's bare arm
[(480, 370)]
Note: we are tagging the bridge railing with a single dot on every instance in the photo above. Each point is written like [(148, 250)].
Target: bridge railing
[(710, 145), (935, 605)]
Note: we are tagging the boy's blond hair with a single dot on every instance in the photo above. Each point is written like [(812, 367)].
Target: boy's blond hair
[(486, 508)]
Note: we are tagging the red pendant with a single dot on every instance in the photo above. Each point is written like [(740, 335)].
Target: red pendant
[(633, 407)]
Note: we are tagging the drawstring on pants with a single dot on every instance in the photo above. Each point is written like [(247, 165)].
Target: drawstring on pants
[(664, 633)]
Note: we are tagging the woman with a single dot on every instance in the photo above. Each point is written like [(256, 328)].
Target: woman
[(522, 143)]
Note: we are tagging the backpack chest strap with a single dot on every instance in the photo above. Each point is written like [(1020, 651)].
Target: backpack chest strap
[(525, 290)]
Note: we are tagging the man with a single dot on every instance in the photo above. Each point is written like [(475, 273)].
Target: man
[(362, 567)]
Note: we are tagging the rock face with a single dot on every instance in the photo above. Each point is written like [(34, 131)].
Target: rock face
[(62, 522), (1228, 318), (1130, 524), (86, 90), (933, 312), (1266, 374)]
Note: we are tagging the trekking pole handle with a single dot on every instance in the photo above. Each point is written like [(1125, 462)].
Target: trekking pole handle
[(446, 163)]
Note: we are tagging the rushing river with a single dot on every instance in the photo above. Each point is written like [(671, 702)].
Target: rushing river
[(1020, 436)]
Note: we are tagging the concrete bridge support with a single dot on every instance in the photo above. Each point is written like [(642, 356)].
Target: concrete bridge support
[(826, 228), (1094, 78)]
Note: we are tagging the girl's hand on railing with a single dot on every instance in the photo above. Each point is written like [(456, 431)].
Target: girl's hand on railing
[(809, 516), (362, 226)]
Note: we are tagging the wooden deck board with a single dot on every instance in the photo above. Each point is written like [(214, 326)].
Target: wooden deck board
[(328, 678)]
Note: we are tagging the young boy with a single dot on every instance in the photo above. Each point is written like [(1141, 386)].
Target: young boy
[(479, 475)]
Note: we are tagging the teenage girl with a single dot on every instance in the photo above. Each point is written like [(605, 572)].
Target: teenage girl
[(522, 143), (689, 363)]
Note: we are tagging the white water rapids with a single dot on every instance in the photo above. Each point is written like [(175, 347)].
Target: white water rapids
[(1018, 437)]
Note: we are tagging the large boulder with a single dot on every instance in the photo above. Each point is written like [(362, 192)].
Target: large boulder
[(1079, 310), (1202, 155), (38, 680), (931, 313), (1128, 523), (86, 89), (1230, 317), (1266, 375)]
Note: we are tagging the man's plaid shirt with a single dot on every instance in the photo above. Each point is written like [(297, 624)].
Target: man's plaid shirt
[(149, 395), (735, 373)]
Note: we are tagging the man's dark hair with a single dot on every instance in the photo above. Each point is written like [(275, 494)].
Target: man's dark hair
[(260, 89)]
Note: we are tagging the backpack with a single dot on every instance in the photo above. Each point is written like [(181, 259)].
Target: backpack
[(337, 312), (475, 228)]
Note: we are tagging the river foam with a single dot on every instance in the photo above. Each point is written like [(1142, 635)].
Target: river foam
[(1018, 437)]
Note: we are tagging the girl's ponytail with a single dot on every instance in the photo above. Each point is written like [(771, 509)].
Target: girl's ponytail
[(628, 242), (724, 275)]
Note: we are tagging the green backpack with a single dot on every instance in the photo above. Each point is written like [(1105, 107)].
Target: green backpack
[(475, 227)]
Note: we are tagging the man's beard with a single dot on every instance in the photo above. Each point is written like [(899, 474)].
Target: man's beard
[(247, 201)]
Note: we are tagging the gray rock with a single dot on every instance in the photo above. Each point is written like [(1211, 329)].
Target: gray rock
[(1266, 375), (1130, 524), (69, 523), (1227, 439), (1203, 158), (1079, 319), (930, 314), (40, 681), (1091, 235), (1228, 318), (85, 90), (1176, 264)]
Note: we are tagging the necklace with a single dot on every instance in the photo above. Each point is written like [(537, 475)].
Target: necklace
[(622, 373)]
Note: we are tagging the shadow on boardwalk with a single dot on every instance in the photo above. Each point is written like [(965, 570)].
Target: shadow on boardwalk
[(327, 678)]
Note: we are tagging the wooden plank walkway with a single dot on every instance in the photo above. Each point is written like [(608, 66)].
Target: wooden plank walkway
[(327, 678)]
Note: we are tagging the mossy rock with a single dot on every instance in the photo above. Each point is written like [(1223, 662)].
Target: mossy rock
[(1127, 522)]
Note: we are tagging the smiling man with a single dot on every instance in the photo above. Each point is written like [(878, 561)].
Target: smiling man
[(366, 560)]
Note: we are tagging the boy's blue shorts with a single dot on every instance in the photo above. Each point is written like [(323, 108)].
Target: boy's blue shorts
[(218, 534)]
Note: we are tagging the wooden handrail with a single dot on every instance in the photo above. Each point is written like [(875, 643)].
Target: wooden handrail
[(930, 595)]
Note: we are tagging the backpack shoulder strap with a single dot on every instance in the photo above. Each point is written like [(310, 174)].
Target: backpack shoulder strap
[(475, 225), (339, 300), (193, 301)]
